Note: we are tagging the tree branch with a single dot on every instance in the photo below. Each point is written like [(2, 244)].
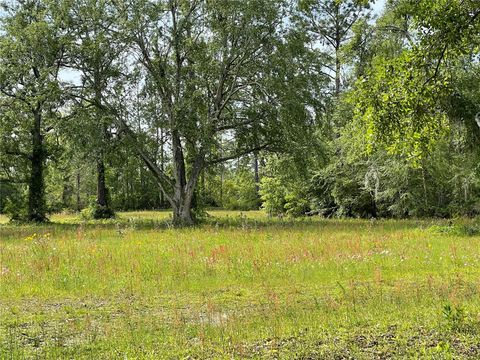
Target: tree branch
[(237, 155)]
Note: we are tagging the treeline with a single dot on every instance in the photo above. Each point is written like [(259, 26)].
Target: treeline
[(308, 107)]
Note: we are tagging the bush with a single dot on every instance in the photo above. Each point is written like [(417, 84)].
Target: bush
[(273, 196), (296, 204), (13, 204), (96, 212), (239, 193)]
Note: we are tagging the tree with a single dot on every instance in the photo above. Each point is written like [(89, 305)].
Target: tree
[(329, 24), (417, 80), (225, 80), (32, 49), (95, 56)]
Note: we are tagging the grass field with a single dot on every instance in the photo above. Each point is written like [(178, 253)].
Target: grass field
[(239, 286)]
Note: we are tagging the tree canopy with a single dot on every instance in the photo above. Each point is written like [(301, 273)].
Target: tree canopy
[(302, 107)]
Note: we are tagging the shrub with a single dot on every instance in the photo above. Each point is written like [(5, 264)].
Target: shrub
[(273, 196), (239, 193), (96, 212)]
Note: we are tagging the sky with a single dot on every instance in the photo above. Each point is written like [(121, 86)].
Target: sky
[(378, 6), (69, 75)]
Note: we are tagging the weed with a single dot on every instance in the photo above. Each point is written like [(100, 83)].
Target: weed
[(454, 316), (238, 285)]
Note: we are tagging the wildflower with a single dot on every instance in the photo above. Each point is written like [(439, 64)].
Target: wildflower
[(31, 237)]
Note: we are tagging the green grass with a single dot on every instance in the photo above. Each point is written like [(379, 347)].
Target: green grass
[(241, 285)]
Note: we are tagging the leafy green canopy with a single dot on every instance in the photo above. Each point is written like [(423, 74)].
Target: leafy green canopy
[(32, 51), (403, 100)]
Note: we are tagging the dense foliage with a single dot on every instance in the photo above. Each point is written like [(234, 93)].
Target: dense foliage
[(315, 107)]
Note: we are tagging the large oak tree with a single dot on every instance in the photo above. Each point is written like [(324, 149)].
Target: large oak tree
[(229, 80)]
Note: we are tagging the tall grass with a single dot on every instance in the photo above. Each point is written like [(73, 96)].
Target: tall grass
[(239, 285)]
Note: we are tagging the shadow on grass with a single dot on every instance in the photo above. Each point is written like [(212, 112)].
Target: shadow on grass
[(235, 222)]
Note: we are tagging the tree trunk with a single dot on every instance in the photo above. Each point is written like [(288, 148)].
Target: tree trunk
[(338, 69), (203, 189), (184, 191), (67, 191), (182, 203), (182, 206), (221, 186), (160, 156), (338, 44), (101, 186), (36, 189), (102, 210), (79, 207), (182, 214), (257, 175), (425, 191)]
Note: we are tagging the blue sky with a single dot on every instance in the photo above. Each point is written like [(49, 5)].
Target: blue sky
[(69, 75), (378, 6)]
